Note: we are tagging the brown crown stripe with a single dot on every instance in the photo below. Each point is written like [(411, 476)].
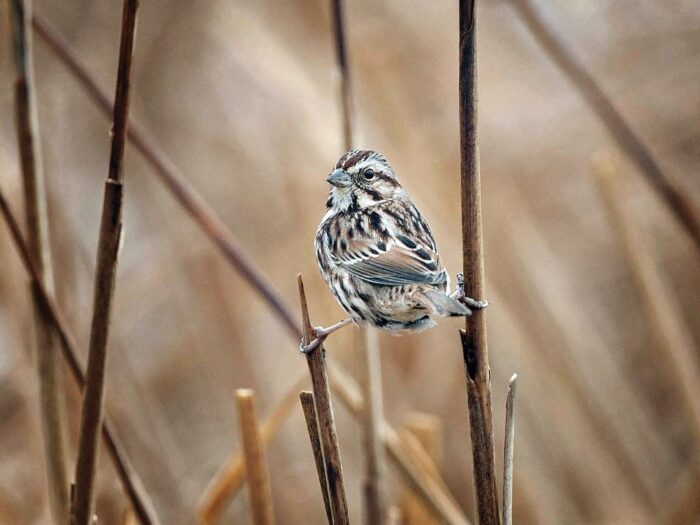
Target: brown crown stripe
[(353, 157)]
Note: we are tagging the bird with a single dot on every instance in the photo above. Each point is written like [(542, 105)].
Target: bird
[(377, 253)]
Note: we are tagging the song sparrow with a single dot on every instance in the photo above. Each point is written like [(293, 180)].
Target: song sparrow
[(377, 253)]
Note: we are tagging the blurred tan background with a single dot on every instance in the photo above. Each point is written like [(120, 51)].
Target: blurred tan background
[(243, 97)]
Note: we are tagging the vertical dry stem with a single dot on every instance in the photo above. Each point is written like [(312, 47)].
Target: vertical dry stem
[(254, 453), (368, 340), (375, 455), (316, 359), (36, 214), (308, 405), (508, 449), (628, 141), (231, 477), (474, 344), (107, 252), (129, 478), (342, 62)]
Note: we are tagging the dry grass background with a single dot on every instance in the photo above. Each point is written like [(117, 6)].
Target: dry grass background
[(242, 95)]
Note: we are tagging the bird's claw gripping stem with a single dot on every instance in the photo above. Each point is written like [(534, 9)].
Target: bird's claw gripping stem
[(320, 334), (458, 295)]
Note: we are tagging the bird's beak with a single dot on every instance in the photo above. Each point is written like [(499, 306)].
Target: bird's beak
[(339, 178)]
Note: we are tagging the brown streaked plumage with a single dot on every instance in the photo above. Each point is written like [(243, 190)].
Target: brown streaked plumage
[(377, 253)]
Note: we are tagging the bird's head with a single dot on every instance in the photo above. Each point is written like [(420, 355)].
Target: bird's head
[(362, 178)]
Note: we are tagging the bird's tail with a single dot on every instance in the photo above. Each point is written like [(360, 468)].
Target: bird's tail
[(441, 304)]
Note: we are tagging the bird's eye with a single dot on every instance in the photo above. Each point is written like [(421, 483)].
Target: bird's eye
[(368, 174)]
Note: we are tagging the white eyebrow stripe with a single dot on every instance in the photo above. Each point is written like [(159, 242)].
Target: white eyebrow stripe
[(374, 163)]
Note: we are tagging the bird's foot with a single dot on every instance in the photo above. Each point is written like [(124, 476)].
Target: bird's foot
[(458, 295), (320, 334)]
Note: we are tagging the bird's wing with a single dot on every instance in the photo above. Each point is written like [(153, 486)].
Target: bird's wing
[(392, 260)]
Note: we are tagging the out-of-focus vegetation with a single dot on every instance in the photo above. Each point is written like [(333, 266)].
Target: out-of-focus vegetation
[(243, 97)]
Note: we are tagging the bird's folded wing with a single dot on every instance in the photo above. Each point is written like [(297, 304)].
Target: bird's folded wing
[(393, 263)]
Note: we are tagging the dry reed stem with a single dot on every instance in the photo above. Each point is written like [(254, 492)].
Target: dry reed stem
[(426, 430), (107, 255), (308, 406), (508, 449), (675, 198), (254, 453), (316, 360), (210, 224), (662, 311), (474, 343), (342, 62), (229, 480), (368, 339), (51, 395), (406, 458), (130, 480), (375, 456)]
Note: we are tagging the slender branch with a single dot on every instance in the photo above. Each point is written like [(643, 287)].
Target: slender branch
[(368, 339), (254, 453), (129, 478), (474, 343), (229, 480), (663, 313), (107, 255), (628, 141), (342, 63), (308, 406), (508, 448), (375, 475), (316, 360), (51, 396)]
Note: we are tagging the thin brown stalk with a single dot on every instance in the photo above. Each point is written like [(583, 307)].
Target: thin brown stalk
[(375, 455), (254, 454), (229, 480), (316, 360), (508, 449), (130, 480), (426, 430), (628, 141), (662, 311), (368, 339), (51, 396), (107, 255), (474, 344), (342, 62), (308, 406)]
